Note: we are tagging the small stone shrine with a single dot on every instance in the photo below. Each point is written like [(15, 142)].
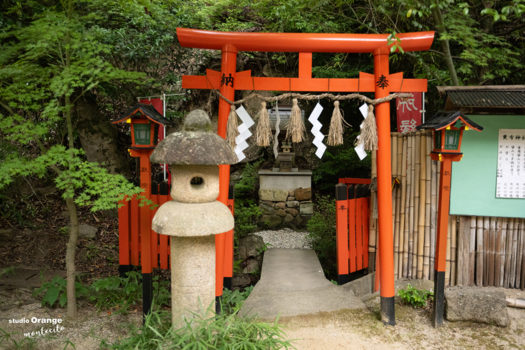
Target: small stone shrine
[(285, 193)]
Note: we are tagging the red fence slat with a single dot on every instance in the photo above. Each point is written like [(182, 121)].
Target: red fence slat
[(352, 219), (134, 226)]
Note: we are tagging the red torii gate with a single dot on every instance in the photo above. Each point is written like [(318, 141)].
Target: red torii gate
[(381, 83)]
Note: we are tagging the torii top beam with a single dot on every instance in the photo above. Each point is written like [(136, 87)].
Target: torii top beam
[(300, 42)]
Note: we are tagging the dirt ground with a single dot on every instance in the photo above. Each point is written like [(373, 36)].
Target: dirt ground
[(347, 329)]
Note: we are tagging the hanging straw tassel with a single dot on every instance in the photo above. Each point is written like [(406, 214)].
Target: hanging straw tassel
[(296, 129), (369, 131), (263, 131), (335, 133), (232, 127)]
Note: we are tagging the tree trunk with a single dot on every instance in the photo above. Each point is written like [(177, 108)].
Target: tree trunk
[(98, 137), (70, 259), (445, 46)]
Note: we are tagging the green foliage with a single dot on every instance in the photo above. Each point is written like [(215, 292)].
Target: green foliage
[(7, 271), (417, 298), (232, 300), (224, 331), (10, 342), (105, 293), (247, 212), (247, 185), (338, 162), (54, 292), (321, 228)]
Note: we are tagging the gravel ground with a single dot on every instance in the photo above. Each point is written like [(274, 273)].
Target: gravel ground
[(285, 238)]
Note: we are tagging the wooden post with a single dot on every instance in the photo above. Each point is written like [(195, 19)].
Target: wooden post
[(228, 69), (145, 232), (384, 189), (441, 243), (341, 207)]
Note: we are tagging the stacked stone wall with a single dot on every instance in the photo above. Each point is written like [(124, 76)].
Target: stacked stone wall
[(285, 208)]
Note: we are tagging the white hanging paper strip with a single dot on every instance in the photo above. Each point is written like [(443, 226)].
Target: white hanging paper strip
[(244, 132), (277, 131), (364, 110), (316, 130), (360, 148)]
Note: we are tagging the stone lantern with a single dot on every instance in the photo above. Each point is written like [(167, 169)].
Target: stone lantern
[(193, 216)]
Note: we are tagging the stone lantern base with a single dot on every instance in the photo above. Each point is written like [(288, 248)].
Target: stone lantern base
[(192, 277)]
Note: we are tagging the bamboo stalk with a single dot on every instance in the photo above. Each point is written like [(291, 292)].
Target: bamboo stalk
[(523, 255), (486, 248), (415, 232), (404, 201), (421, 211), (428, 197), (449, 234), (372, 230), (504, 225), (520, 253), (512, 280), (453, 252), (508, 252), (479, 251), (411, 184), (493, 252), (463, 251), (393, 148), (434, 214), (400, 204), (472, 251), (498, 266)]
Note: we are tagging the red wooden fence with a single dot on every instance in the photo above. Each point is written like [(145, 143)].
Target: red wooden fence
[(130, 253), (352, 218)]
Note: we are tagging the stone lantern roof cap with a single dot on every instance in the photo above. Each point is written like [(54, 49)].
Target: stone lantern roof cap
[(196, 144)]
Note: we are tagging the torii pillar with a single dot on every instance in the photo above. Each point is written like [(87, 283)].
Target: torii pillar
[(228, 80)]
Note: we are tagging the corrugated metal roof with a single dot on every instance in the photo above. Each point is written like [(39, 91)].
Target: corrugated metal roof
[(494, 96), (493, 99)]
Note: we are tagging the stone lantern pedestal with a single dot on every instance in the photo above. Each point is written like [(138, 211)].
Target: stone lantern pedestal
[(193, 216)]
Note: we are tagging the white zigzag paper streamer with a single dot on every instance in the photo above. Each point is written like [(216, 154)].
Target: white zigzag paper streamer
[(360, 148), (316, 130), (244, 132)]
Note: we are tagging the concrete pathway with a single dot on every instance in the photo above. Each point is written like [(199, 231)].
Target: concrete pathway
[(293, 283)]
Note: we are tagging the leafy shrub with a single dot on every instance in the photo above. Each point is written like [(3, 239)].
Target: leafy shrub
[(340, 161), (416, 297), (54, 292), (116, 291), (247, 214), (247, 185), (232, 300), (105, 293), (321, 228), (215, 332)]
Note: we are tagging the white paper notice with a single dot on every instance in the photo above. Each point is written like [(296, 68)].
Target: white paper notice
[(510, 177), (360, 150)]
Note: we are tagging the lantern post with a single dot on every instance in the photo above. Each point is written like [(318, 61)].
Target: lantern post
[(447, 135), (145, 122)]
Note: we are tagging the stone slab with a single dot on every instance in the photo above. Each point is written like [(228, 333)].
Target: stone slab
[(476, 304), (273, 195), (293, 283), (286, 181)]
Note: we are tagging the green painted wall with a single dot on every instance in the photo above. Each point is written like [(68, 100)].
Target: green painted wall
[(473, 190)]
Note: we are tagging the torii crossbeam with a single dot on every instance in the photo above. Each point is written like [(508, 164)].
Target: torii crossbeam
[(381, 83)]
